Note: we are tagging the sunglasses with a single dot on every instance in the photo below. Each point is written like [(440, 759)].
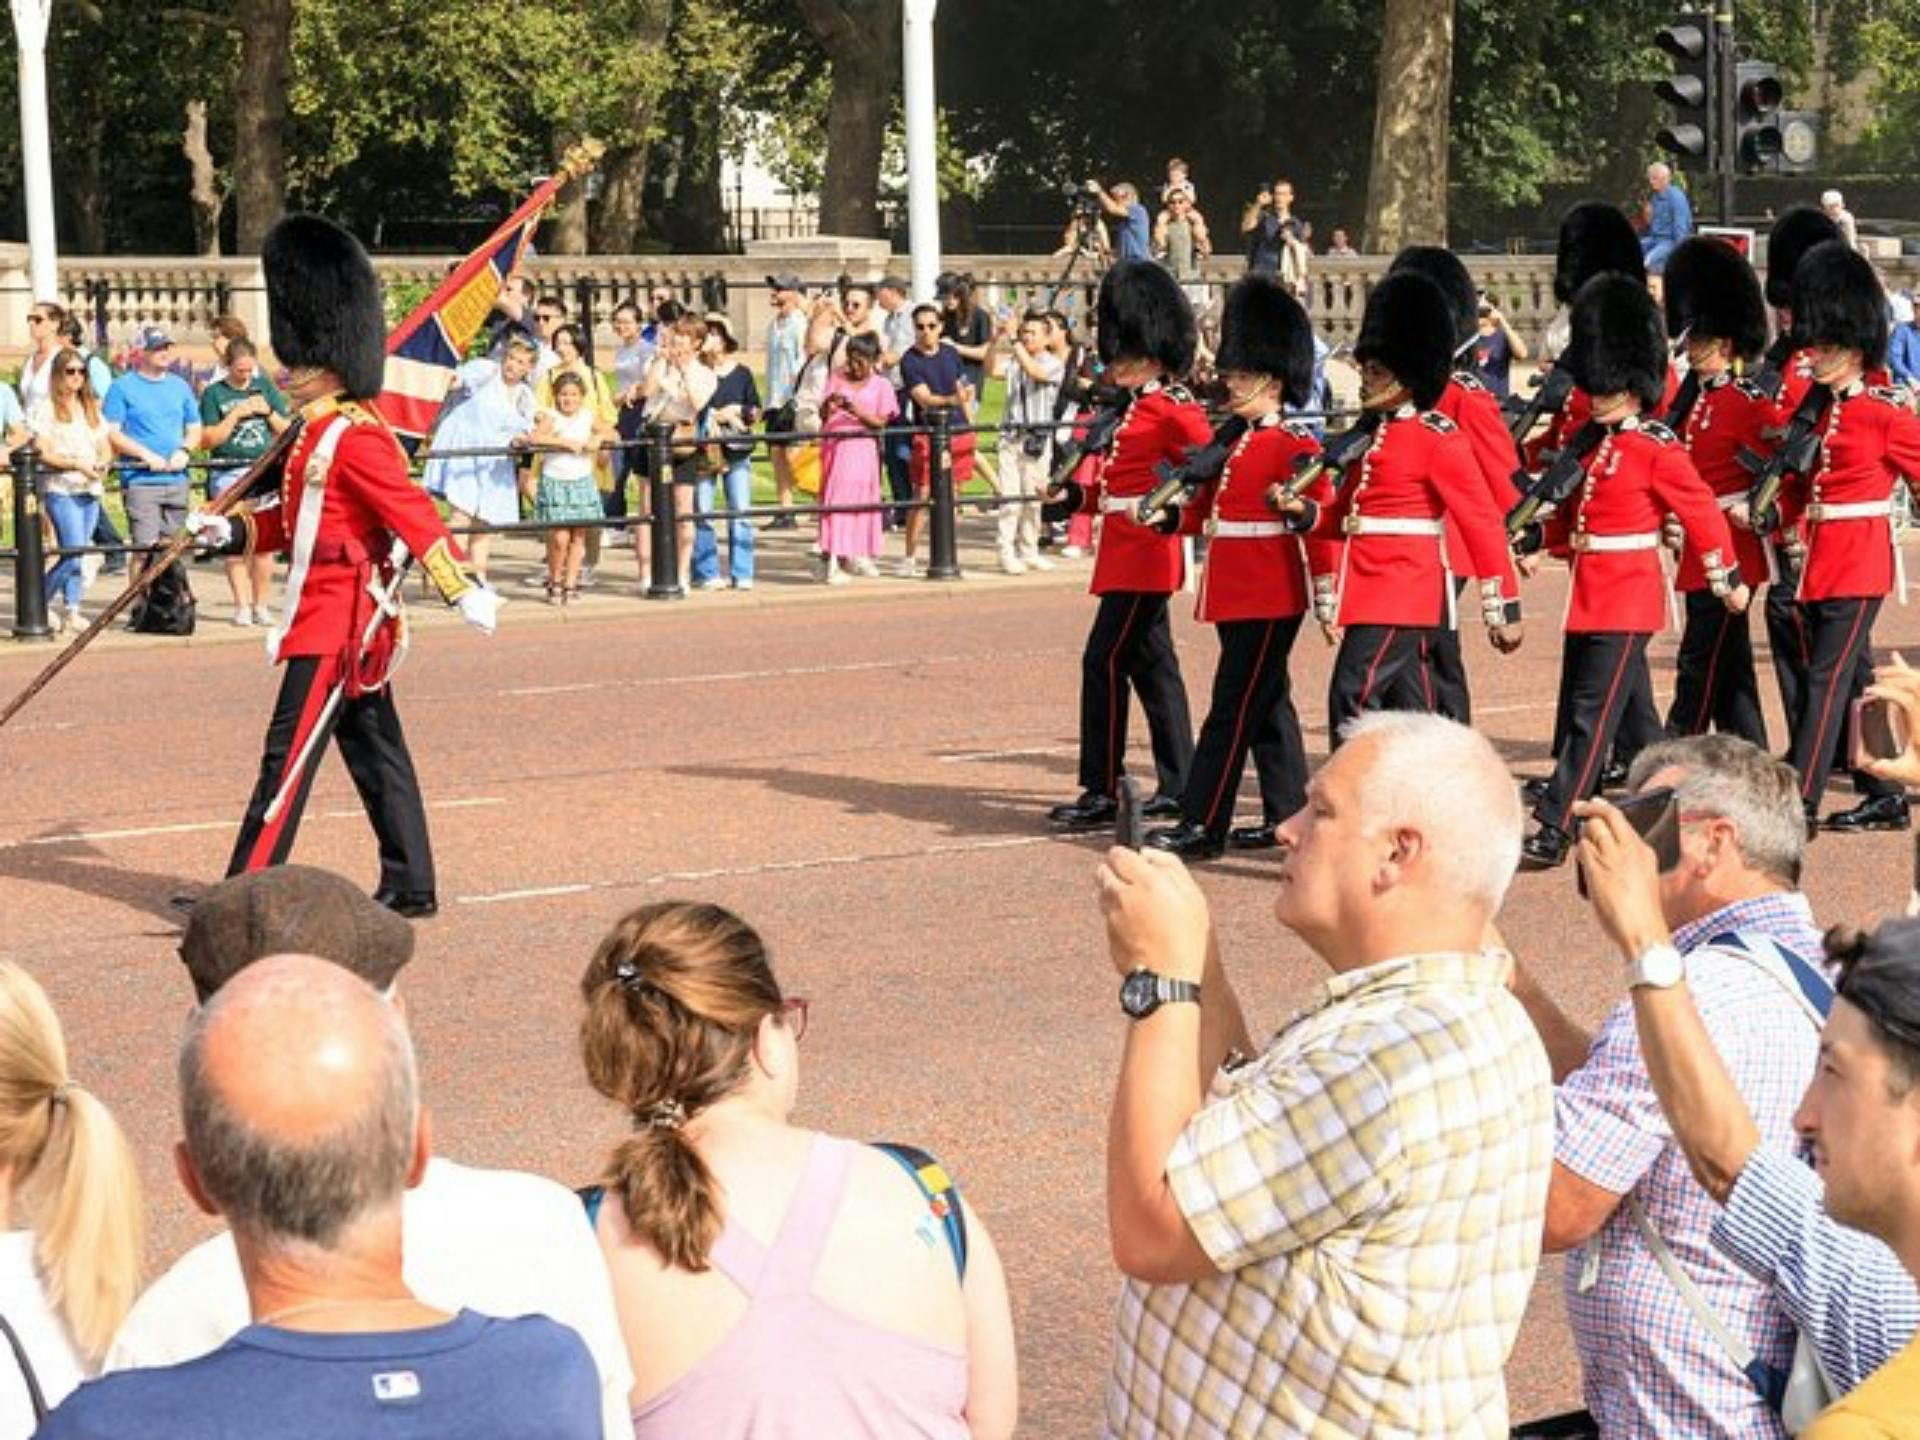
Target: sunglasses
[(793, 1015), (73, 370)]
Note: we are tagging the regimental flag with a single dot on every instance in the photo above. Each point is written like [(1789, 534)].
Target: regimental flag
[(428, 346)]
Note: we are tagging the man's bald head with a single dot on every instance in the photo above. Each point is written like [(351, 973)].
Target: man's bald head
[(298, 1096)]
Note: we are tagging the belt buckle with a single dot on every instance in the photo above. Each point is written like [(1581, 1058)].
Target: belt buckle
[(1351, 524), (1211, 527), (1580, 543)]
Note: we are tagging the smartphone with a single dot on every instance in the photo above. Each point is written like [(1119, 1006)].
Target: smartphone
[(1655, 817), (1880, 730), (1129, 827)]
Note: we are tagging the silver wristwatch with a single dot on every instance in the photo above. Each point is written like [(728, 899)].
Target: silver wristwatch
[(1659, 966)]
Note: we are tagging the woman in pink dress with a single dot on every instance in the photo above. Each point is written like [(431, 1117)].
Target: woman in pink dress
[(857, 404)]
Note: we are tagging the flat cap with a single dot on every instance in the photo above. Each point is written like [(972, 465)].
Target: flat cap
[(297, 910)]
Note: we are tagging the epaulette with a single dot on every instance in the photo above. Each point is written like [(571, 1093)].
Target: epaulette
[(1467, 380), (1887, 394), (357, 413), (1299, 429), (1178, 393), (1658, 433), (1749, 389), (1437, 422)]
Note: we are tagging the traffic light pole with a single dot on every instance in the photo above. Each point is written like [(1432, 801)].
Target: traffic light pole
[(1726, 158)]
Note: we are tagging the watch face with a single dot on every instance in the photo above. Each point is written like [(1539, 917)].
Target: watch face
[(1136, 994)]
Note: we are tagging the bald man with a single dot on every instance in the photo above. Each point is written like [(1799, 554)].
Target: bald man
[(303, 1129)]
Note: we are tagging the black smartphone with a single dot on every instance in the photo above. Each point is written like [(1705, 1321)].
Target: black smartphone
[(1128, 822), (1655, 817)]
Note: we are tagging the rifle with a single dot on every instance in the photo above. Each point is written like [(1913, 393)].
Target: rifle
[(1562, 476), (1177, 483), (1063, 492), (268, 464), (1689, 395), (1797, 453), (1550, 392), (1336, 457), (1770, 373)]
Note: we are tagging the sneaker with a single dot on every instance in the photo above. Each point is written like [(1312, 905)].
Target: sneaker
[(1037, 561), (864, 567), (1012, 564), (1072, 552), (264, 616), (837, 576), (712, 582), (76, 619), (908, 568), (746, 584), (242, 615)]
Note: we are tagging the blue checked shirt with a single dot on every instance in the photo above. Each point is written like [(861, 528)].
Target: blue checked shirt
[(1649, 1368)]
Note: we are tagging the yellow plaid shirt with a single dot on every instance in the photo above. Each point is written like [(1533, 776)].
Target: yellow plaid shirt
[(1373, 1190)]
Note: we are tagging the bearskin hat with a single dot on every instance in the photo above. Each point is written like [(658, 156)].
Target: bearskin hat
[(1265, 331), (1142, 315), (1618, 341), (1797, 231), (1408, 327), (1595, 239), (1838, 300), (1713, 293), (323, 303), (1444, 268)]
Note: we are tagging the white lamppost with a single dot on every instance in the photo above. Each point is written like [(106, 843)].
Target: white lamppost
[(30, 32), (923, 179)]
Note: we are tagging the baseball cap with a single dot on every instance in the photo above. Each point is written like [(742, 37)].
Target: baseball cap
[(154, 338), (788, 281), (894, 282), (292, 909)]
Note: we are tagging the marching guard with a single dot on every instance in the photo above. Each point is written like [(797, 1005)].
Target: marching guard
[(1393, 593), (348, 517), (1611, 531), (1869, 443), (1713, 299), (1147, 339), (1258, 581)]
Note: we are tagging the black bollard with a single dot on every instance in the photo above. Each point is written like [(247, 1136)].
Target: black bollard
[(663, 581), (29, 554), (943, 553)]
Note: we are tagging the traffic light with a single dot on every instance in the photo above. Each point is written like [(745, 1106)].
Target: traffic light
[(1690, 89), (1759, 141)]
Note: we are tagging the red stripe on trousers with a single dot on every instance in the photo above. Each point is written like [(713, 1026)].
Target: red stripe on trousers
[(1821, 745), (1366, 690), (1114, 701), (1240, 721), (261, 856), (1713, 670), (1600, 736)]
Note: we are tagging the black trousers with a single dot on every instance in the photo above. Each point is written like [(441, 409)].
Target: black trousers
[(374, 748), (1839, 636), (1380, 667), (1252, 707), (1715, 686), (1608, 696), (1448, 669), (1129, 650), (1787, 639)]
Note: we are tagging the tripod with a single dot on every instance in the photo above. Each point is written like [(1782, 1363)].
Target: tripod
[(1086, 246)]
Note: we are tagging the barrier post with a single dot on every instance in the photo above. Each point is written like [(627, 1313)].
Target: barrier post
[(943, 555), (663, 581), (29, 553)]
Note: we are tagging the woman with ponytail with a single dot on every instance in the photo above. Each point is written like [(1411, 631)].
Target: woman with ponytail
[(71, 1225), (772, 1281)]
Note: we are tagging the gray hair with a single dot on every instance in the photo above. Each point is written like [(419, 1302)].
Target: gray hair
[(1736, 781), (281, 1192), (1448, 783)]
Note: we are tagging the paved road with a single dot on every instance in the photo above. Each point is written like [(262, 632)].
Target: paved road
[(862, 774)]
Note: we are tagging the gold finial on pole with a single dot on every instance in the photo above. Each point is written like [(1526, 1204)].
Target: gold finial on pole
[(583, 158)]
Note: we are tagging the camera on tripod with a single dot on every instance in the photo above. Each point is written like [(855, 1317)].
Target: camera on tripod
[(1083, 200)]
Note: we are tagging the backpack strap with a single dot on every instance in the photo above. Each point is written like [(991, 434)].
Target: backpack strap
[(943, 1196), (1812, 989), (38, 1400), (591, 1197)]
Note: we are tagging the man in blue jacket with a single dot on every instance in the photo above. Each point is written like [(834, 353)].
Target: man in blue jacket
[(1669, 218)]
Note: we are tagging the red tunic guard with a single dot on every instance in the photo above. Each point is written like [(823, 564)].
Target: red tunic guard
[(1161, 422), (1255, 569), (1870, 442)]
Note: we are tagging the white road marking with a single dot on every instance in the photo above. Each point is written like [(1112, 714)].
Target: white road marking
[(770, 867), (725, 677), (194, 827), (967, 757)]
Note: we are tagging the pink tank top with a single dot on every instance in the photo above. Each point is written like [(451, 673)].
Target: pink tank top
[(795, 1368)]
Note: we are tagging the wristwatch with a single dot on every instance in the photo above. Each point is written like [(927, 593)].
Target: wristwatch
[(1144, 992), (1659, 966)]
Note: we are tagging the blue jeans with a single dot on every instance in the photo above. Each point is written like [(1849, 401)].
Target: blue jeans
[(1655, 252), (73, 517), (706, 549)]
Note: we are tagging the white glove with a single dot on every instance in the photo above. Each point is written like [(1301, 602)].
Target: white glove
[(480, 608), (214, 532)]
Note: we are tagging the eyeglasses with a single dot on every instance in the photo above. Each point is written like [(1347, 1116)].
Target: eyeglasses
[(73, 369), (793, 1015)]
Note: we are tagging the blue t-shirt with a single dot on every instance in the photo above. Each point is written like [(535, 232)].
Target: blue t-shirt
[(154, 412), (940, 372), (1134, 240), (474, 1377)]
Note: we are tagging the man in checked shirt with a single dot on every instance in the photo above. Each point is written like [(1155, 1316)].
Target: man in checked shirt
[(1337, 1236), (1736, 930)]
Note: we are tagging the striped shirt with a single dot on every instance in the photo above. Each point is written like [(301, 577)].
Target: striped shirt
[(1649, 1368), (1372, 1190)]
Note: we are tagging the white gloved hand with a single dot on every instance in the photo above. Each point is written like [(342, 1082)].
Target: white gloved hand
[(480, 608), (214, 532)]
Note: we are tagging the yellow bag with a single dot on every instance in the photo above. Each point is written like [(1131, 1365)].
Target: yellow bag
[(804, 462)]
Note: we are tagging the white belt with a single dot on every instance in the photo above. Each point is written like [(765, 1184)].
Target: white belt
[(1862, 510), (1612, 544), (1244, 529), (1391, 525), (1120, 504)]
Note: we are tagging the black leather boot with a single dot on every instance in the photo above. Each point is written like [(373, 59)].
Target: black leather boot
[(1545, 849), (1188, 840), (1877, 812), (1091, 811)]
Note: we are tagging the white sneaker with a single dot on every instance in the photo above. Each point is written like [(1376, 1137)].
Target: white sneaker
[(1037, 561), (864, 567), (712, 582), (76, 619), (746, 584), (1012, 564), (242, 615), (837, 576), (1072, 552), (908, 568), (264, 616)]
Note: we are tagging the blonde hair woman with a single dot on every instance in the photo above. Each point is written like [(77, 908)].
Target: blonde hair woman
[(70, 1197)]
